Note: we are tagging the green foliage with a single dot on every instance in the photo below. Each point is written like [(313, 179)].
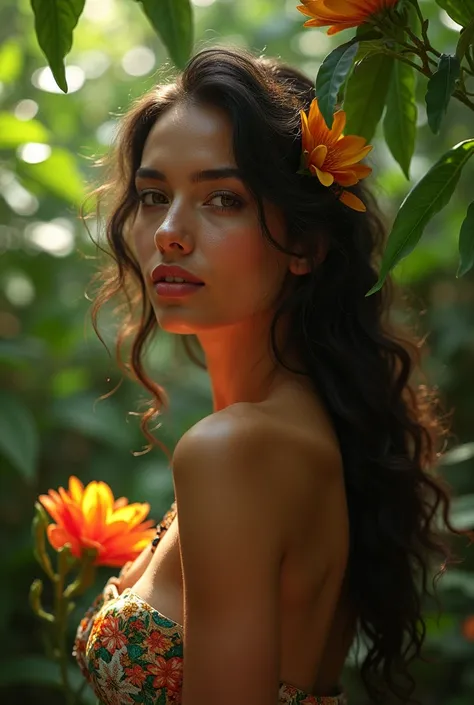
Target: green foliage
[(440, 89), (427, 198), (173, 21), (366, 94), (331, 76), (466, 39), (11, 62), (18, 435), (15, 132), (55, 21), (461, 11), (401, 113), (58, 174)]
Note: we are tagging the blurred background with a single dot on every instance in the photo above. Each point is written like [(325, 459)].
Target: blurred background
[(53, 368)]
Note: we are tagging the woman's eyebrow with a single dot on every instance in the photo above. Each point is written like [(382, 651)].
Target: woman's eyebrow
[(226, 172)]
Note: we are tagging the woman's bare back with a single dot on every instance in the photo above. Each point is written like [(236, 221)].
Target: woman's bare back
[(317, 622)]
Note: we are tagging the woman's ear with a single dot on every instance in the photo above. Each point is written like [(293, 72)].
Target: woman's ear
[(302, 264), (299, 265)]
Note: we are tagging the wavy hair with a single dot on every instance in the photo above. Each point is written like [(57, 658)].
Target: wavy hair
[(390, 430)]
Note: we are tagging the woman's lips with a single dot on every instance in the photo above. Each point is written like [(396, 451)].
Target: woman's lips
[(172, 289)]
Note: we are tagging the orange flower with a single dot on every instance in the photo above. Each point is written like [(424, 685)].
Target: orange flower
[(332, 157), (341, 14), (91, 518)]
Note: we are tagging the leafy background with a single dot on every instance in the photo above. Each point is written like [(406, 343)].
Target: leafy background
[(54, 370)]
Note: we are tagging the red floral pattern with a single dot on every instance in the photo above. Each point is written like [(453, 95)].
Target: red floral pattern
[(131, 653)]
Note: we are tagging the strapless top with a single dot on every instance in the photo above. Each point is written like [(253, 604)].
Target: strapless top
[(131, 653)]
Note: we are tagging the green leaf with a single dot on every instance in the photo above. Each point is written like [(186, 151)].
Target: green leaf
[(331, 75), (461, 11), (366, 94), (466, 38), (11, 61), (440, 89), (370, 42), (58, 174), (18, 435), (425, 199), (376, 46), (466, 243), (54, 24), (173, 20), (401, 115), (14, 132)]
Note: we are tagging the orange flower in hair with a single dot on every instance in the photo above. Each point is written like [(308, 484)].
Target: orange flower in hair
[(331, 157), (341, 14), (90, 517)]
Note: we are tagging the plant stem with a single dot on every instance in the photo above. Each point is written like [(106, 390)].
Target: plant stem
[(60, 605), (421, 69), (420, 49), (424, 30)]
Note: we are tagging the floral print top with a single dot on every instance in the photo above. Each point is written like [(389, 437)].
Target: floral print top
[(131, 653)]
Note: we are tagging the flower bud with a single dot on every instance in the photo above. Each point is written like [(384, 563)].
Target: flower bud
[(36, 591), (40, 522)]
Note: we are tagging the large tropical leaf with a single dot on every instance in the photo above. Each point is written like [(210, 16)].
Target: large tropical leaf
[(426, 199), (440, 89), (54, 24), (173, 21), (401, 114), (336, 68), (366, 94), (461, 11)]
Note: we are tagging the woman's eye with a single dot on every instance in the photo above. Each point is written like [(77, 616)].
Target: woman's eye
[(151, 198), (225, 201)]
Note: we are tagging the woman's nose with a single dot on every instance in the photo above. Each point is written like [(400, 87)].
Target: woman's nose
[(174, 232)]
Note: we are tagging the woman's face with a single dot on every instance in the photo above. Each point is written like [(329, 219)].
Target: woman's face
[(208, 225)]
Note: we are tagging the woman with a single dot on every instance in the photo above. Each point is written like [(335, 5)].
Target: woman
[(305, 503)]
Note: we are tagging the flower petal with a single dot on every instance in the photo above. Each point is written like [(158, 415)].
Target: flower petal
[(58, 538), (351, 143), (345, 177), (318, 155), (307, 137), (51, 507), (133, 514), (324, 177), (341, 27), (76, 488), (361, 170), (348, 160), (349, 199), (338, 124)]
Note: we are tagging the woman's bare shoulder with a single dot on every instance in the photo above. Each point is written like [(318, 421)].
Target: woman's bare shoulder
[(276, 446)]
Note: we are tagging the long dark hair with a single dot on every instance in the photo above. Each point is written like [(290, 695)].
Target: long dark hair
[(389, 427)]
